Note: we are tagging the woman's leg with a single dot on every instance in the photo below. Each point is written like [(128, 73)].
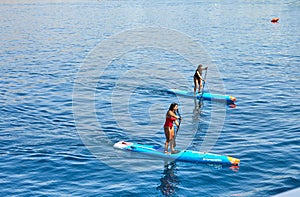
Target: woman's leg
[(167, 134), (172, 140), (195, 84)]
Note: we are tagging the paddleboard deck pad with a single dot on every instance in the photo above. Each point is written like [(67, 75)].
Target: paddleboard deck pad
[(183, 155), (205, 96)]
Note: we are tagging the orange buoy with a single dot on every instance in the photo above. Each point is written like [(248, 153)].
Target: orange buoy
[(275, 20)]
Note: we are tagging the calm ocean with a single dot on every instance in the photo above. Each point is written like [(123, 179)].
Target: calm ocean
[(78, 76)]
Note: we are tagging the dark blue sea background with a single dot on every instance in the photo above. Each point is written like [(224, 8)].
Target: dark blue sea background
[(62, 109)]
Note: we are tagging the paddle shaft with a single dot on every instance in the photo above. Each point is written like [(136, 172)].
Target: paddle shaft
[(204, 81), (177, 129), (179, 121)]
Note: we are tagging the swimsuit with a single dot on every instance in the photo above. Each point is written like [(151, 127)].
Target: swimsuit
[(169, 121), (196, 75)]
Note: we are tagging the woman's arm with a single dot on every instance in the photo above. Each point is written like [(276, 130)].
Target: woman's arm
[(172, 114), (176, 122), (198, 73)]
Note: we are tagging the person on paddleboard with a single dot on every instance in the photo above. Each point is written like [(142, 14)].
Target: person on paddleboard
[(171, 118), (198, 78)]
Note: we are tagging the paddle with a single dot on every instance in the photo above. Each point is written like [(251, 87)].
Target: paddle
[(204, 81), (177, 129), (179, 121), (202, 91)]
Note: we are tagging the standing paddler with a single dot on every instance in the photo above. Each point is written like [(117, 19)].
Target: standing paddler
[(198, 78)]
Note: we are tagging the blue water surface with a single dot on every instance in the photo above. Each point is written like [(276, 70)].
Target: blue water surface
[(48, 149)]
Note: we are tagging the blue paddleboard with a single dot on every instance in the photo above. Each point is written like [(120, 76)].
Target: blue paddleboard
[(205, 96), (184, 155)]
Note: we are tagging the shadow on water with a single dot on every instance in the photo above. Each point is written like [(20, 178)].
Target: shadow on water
[(169, 181)]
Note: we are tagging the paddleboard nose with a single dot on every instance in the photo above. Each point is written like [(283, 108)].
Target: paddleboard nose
[(234, 161), (121, 144), (232, 98)]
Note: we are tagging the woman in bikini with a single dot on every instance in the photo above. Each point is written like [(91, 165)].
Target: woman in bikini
[(171, 117), (198, 78)]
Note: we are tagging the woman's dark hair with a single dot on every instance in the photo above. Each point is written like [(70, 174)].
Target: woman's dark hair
[(172, 106)]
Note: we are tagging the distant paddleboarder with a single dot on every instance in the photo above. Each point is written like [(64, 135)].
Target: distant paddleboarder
[(198, 78)]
